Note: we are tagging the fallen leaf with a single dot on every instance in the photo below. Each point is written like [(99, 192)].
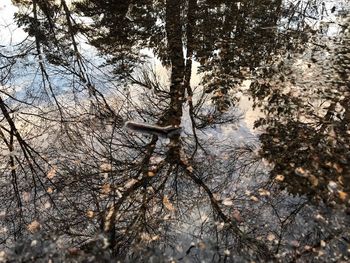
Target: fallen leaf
[(307, 248), (341, 180), (201, 245), (106, 189), (167, 217), (2, 214), (264, 192), (220, 226), (332, 186), (295, 243), (74, 251), (130, 183), (216, 196), (148, 238), (227, 202), (108, 218), (3, 256), (320, 217), (90, 214), (145, 236), (237, 215), (119, 194), (254, 198), (279, 177), (47, 205), (33, 227), (342, 195), (225, 157), (52, 173), (167, 203), (271, 237), (313, 180), (106, 167), (151, 174), (190, 169), (338, 167), (301, 171), (26, 196)]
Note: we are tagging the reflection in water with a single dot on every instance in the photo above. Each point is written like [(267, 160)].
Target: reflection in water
[(86, 188)]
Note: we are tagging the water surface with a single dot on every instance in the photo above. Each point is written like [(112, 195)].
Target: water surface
[(259, 172)]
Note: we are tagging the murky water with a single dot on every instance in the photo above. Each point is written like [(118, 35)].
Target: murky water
[(236, 147)]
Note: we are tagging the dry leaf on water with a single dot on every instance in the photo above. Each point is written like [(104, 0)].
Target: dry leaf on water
[(151, 174), (167, 203), (279, 178), (227, 202), (130, 183), (106, 189), (90, 214), (33, 227), (254, 198), (342, 195), (52, 173), (237, 215)]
